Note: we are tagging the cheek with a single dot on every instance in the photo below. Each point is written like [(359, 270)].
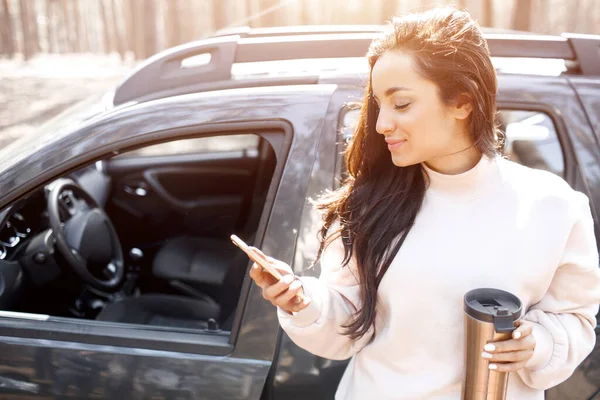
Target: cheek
[(425, 124)]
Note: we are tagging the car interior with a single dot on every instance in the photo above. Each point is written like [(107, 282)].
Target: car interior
[(141, 237)]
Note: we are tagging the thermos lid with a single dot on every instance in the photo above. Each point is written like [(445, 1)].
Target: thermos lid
[(494, 306)]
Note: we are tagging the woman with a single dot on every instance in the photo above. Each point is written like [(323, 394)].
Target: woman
[(429, 212)]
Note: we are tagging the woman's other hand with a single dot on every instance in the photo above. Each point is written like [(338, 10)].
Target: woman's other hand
[(283, 293), (511, 355)]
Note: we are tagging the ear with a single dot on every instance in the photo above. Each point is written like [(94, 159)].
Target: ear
[(463, 106)]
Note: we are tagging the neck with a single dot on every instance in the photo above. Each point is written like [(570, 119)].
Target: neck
[(455, 163)]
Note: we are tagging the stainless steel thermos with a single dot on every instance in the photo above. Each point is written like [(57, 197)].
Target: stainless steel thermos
[(489, 315)]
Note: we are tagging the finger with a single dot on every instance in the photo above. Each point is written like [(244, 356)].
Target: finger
[(257, 275), (525, 343), (509, 357), (508, 367), (290, 294), (274, 290), (524, 329)]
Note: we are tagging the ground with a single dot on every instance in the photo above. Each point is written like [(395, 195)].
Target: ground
[(33, 92)]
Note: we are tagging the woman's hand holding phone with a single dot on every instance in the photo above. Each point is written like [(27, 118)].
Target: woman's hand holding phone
[(276, 279), (286, 293)]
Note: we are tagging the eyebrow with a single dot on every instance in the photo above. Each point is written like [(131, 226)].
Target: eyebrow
[(390, 91), (394, 89)]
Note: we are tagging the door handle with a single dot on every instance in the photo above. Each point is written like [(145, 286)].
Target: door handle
[(138, 189)]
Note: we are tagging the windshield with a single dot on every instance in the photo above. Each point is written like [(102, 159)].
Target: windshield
[(51, 131)]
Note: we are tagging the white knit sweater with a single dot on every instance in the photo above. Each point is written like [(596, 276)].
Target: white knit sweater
[(497, 225)]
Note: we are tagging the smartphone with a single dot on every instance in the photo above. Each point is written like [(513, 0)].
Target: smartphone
[(256, 256)]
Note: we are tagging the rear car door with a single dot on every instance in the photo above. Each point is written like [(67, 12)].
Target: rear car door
[(42, 355)]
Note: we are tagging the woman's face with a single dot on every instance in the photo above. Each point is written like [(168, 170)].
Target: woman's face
[(417, 126)]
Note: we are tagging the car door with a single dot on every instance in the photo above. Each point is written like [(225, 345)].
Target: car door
[(43, 356), (546, 128), (183, 188)]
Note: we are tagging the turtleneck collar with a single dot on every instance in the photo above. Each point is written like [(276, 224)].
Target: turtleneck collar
[(464, 186)]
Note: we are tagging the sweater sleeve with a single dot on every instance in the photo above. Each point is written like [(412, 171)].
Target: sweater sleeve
[(565, 318), (335, 298)]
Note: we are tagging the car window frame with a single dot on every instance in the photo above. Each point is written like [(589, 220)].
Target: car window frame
[(19, 326)]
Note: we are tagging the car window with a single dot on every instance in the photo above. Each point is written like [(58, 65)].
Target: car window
[(197, 145), (171, 218), (531, 139)]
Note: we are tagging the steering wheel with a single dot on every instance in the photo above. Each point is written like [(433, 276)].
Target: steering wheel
[(87, 239)]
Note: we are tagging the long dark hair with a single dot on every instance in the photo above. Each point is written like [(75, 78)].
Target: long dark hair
[(378, 203)]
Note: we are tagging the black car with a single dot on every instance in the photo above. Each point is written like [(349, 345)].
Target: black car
[(117, 276)]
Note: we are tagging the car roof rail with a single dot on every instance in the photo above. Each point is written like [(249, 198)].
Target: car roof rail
[(246, 31), (211, 60)]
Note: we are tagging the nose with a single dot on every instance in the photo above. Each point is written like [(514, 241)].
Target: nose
[(384, 123)]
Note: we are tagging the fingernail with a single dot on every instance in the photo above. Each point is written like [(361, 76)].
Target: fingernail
[(306, 301), (493, 366), (288, 279), (489, 347), (517, 335), (486, 355), (295, 285), (297, 300)]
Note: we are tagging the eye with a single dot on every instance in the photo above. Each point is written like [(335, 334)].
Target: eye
[(402, 106)]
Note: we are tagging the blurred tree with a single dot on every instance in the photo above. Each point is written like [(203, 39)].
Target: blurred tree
[(27, 46), (75, 17), (6, 30), (172, 23), (106, 45), (488, 13), (219, 14), (522, 15), (272, 16), (66, 24), (50, 26), (130, 31), (115, 17), (148, 28), (389, 9), (33, 26)]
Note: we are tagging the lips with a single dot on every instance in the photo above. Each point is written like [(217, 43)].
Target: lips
[(395, 143)]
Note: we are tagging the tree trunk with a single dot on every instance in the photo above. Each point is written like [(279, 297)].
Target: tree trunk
[(219, 14), (271, 18), (25, 30), (172, 23), (117, 33), (522, 15), (6, 30), (75, 15), (389, 9), (106, 45), (50, 26), (149, 28), (33, 26), (488, 13), (130, 31), (66, 24)]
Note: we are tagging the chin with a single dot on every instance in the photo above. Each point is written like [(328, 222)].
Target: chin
[(399, 161)]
